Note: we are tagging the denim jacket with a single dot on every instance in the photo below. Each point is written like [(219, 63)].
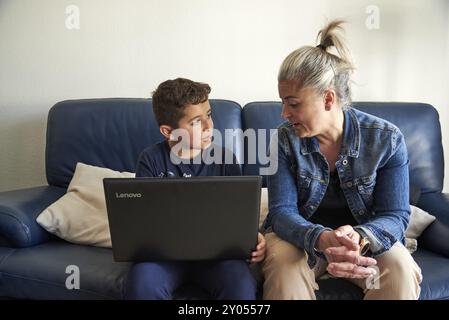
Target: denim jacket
[(373, 172)]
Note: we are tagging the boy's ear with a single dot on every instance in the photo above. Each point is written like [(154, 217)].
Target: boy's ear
[(166, 131)]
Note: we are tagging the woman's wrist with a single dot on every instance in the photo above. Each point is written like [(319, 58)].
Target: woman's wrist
[(321, 243)]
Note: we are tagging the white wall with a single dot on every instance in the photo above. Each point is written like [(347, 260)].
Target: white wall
[(125, 48)]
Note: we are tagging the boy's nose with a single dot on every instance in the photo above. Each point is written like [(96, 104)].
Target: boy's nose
[(207, 125)]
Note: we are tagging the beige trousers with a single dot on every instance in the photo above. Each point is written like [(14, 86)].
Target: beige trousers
[(288, 276)]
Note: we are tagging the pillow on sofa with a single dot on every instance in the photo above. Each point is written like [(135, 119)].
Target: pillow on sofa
[(80, 215), (419, 221)]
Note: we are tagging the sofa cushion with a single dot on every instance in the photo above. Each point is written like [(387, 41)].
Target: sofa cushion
[(39, 272), (419, 221), (435, 271), (80, 215)]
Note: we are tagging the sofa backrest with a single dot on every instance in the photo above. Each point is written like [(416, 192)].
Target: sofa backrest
[(260, 115), (418, 122), (111, 133)]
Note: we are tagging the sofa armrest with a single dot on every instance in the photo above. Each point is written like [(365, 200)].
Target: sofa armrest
[(18, 212), (434, 238), (437, 204)]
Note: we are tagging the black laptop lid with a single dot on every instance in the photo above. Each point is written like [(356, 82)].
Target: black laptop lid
[(185, 219)]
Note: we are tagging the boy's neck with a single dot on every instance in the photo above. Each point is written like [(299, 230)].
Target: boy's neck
[(185, 153)]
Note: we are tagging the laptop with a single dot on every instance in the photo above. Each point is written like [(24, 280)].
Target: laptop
[(183, 219)]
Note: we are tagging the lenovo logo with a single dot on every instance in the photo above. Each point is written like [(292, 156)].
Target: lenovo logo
[(128, 195)]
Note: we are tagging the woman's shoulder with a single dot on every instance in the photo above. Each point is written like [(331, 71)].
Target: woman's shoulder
[(379, 133), (369, 121)]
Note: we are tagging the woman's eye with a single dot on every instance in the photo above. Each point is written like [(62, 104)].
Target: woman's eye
[(196, 122), (209, 115), (290, 103)]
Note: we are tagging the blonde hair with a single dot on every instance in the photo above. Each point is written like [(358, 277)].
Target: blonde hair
[(318, 68)]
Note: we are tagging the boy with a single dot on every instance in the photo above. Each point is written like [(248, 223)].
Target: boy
[(182, 106)]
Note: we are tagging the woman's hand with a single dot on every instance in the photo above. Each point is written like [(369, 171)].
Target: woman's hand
[(327, 239), (259, 254), (345, 260)]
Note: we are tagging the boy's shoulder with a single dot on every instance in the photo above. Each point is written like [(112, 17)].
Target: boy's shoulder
[(155, 150)]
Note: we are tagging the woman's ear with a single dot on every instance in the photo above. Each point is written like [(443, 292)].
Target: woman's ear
[(166, 131), (330, 99)]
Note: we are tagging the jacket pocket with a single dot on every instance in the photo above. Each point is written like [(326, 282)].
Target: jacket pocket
[(365, 188), (303, 182)]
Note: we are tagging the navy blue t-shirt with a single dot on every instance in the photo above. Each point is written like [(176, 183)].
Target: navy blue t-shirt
[(155, 161)]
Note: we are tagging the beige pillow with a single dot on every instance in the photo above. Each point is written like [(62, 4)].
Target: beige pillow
[(419, 220), (80, 215)]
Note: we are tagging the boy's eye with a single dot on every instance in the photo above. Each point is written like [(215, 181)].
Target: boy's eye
[(196, 122), (209, 115)]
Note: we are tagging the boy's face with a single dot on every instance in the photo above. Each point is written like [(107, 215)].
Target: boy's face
[(197, 123)]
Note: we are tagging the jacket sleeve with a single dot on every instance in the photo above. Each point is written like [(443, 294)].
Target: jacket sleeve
[(391, 200)]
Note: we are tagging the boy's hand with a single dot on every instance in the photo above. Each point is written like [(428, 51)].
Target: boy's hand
[(259, 254)]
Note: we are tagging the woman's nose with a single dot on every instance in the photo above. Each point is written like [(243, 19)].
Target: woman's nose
[(285, 112)]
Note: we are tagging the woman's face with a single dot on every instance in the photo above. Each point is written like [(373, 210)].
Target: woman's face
[(303, 108)]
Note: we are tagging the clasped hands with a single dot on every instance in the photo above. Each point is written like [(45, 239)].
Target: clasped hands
[(342, 251)]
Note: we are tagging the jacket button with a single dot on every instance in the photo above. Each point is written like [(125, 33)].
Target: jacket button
[(311, 207), (349, 184), (345, 162), (361, 212)]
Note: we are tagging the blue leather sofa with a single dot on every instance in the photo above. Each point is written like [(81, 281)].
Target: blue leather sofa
[(112, 132)]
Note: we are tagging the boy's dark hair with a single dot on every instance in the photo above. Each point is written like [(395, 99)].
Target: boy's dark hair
[(172, 96)]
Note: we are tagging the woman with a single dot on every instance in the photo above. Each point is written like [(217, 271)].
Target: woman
[(340, 198)]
